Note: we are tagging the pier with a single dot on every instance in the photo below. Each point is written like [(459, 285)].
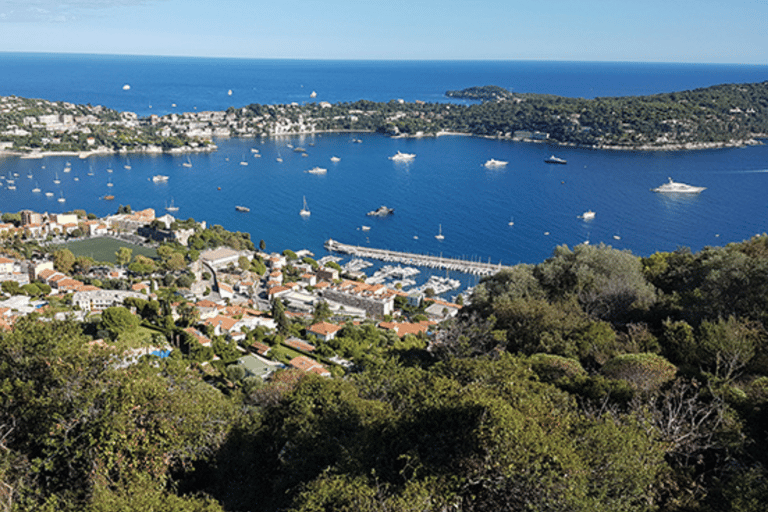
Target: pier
[(419, 260)]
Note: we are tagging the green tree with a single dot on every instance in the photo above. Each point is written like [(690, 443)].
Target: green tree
[(63, 260), (123, 256), (117, 320)]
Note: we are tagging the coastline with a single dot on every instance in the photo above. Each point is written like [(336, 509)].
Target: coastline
[(36, 155)]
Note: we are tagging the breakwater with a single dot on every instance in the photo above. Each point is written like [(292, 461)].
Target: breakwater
[(419, 260)]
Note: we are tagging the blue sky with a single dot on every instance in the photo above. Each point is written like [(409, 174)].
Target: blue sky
[(701, 31)]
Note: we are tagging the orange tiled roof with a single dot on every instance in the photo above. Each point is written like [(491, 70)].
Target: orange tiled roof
[(405, 328), (323, 328)]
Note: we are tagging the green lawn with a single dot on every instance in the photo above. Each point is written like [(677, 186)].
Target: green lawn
[(104, 249)]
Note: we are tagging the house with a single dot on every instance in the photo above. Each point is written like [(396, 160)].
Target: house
[(308, 279), (306, 364), (441, 310), (323, 330), (99, 300), (221, 324), (6, 266), (198, 336), (327, 274), (260, 348), (402, 329), (299, 345)]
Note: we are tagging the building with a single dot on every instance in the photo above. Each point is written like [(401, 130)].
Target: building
[(102, 299), (323, 330), (375, 300)]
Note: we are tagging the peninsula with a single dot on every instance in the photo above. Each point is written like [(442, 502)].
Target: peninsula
[(719, 116)]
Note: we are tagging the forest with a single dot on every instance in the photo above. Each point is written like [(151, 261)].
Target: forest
[(593, 381)]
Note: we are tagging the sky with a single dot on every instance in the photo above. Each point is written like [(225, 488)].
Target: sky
[(680, 31)]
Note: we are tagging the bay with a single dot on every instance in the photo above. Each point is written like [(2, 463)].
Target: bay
[(444, 187)]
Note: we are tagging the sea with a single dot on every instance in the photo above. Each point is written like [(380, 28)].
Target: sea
[(513, 214)]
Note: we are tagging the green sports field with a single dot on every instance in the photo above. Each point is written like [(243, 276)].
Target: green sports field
[(104, 249)]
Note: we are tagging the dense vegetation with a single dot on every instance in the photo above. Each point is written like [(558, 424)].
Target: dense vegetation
[(719, 115), (593, 381)]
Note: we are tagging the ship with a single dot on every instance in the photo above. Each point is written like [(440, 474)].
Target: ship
[(555, 160), (673, 187), (494, 163), (317, 170), (242, 208), (402, 157), (381, 211), (159, 178)]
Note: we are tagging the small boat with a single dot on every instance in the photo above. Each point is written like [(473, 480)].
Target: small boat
[(511, 222), (67, 167), (305, 210), (366, 228), (402, 157), (49, 194), (188, 163), (172, 207), (254, 150), (439, 234), (127, 164), (555, 160), (30, 175), (36, 190), (126, 87), (61, 198), (673, 187), (56, 179), (109, 183), (588, 215), (109, 170), (317, 170), (229, 92), (243, 161), (242, 208), (160, 178), (616, 237), (109, 197), (299, 150), (313, 95), (279, 159), (335, 159), (491, 164), (11, 187)]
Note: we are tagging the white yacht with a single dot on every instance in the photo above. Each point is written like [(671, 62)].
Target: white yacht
[(61, 198), (555, 160), (439, 234), (511, 222), (67, 167), (172, 207), (335, 159), (317, 170), (160, 178), (402, 157), (36, 189), (674, 187), (491, 164), (304, 210), (49, 194), (588, 215)]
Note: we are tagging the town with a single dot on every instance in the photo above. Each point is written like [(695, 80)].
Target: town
[(209, 294)]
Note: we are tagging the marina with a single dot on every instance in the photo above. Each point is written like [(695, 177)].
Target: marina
[(419, 260)]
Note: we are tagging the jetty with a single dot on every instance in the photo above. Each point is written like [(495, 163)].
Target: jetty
[(419, 260)]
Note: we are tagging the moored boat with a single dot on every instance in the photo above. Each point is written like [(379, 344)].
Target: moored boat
[(673, 187), (555, 160)]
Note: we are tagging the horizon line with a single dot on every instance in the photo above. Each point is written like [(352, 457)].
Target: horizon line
[(315, 59)]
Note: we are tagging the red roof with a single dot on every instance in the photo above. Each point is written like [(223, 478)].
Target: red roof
[(323, 328)]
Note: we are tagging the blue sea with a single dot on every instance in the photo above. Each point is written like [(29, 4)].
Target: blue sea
[(444, 188)]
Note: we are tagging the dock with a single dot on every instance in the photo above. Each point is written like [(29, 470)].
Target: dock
[(419, 260)]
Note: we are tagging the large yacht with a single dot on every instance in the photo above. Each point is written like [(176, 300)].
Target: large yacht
[(674, 187), (555, 160), (159, 178), (317, 170), (495, 163), (402, 157)]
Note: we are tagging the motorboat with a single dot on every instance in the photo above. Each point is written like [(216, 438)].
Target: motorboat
[(335, 159), (317, 170), (490, 164), (242, 208), (160, 178), (673, 187), (49, 194), (402, 157), (588, 215), (555, 160), (366, 228)]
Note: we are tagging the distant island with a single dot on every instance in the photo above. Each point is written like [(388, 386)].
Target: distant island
[(720, 116)]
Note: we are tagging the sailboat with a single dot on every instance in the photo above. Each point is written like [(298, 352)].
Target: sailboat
[(36, 189), (67, 167), (243, 161), (305, 211), (188, 163), (109, 183), (172, 208), (61, 198), (439, 235), (511, 222), (56, 179), (128, 164)]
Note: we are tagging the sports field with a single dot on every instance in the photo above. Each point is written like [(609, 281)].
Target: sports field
[(104, 249)]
